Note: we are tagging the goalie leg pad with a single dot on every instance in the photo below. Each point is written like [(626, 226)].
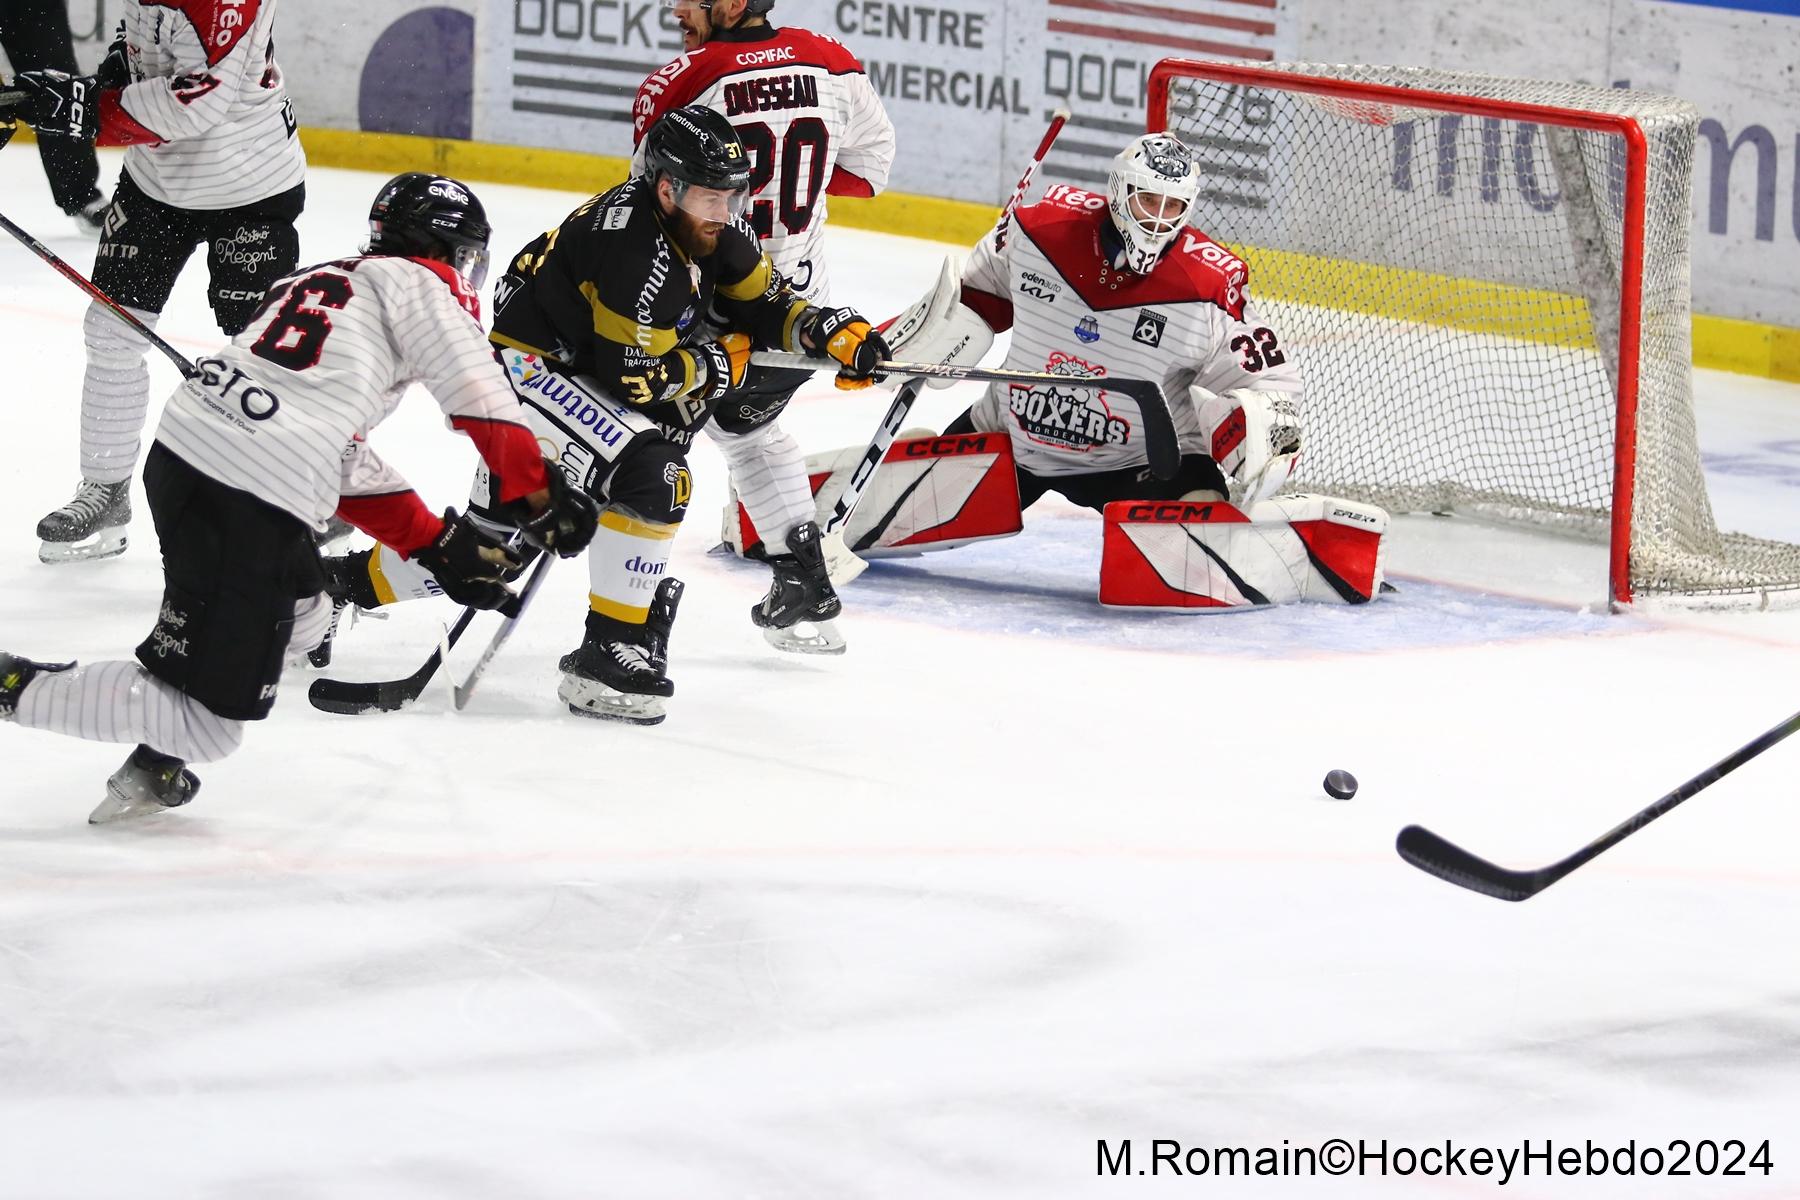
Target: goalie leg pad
[(1187, 556), (933, 492)]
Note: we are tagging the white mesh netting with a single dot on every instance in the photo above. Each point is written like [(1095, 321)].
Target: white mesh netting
[(1450, 283)]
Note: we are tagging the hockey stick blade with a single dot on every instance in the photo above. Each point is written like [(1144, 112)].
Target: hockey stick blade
[(352, 698), (1448, 861), (1438, 856), (1161, 446)]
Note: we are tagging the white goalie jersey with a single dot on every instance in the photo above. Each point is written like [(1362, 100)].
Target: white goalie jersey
[(810, 120), (1188, 323)]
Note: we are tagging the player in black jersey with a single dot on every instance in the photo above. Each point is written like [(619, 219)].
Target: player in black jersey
[(609, 327)]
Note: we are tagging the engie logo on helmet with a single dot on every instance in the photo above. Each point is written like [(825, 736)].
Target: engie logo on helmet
[(447, 189)]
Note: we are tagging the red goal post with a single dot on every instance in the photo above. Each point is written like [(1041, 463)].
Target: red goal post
[(1486, 284)]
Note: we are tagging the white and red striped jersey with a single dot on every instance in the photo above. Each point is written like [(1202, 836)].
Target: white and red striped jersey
[(206, 117), (1043, 273), (327, 359), (809, 118)]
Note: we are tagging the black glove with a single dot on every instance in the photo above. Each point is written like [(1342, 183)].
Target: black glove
[(58, 104), (568, 523), (845, 335), (469, 564), (115, 68)]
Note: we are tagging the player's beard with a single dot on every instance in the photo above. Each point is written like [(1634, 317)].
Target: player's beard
[(696, 238)]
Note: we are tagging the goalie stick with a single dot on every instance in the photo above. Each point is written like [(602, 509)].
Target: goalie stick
[(187, 369), (1161, 445), (1437, 856), (847, 564)]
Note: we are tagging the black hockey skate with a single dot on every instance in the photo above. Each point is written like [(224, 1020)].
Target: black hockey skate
[(798, 615), (613, 675), (661, 620), (92, 525), (149, 782), (15, 673)]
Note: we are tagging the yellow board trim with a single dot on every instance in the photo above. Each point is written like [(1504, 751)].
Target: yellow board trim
[(613, 519), (627, 613), (1720, 343)]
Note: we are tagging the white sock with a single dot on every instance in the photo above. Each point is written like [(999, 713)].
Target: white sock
[(115, 394), (121, 702), (769, 473)]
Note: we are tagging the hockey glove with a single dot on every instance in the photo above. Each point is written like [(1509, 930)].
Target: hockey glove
[(845, 335), (566, 524), (58, 104), (726, 360), (468, 563), (115, 68)]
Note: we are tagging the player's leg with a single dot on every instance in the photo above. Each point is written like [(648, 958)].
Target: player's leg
[(619, 672), (981, 418), (247, 249), (1199, 480), (142, 251), (768, 472)]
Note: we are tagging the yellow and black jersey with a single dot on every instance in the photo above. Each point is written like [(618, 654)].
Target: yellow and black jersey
[(608, 294)]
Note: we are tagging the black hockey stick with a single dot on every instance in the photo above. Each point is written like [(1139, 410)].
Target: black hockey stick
[(85, 284), (11, 100), (1161, 445), (1434, 855), (514, 611), (351, 698)]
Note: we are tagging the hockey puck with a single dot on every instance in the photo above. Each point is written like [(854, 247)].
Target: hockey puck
[(1340, 785)]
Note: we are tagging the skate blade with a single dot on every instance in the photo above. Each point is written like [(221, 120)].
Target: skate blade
[(806, 637), (596, 701), (108, 543), (122, 808)]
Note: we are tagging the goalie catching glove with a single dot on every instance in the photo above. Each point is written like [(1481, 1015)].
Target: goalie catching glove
[(845, 335), (1253, 435), (470, 566), (58, 104)]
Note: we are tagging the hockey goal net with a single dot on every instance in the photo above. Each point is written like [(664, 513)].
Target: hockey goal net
[(1485, 283)]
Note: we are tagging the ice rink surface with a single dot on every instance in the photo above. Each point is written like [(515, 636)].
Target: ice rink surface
[(1013, 876)]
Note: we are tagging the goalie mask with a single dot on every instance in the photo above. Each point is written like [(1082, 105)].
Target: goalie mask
[(1150, 192), (418, 214)]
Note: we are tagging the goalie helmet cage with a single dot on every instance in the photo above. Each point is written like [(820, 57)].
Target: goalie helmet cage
[(1485, 282)]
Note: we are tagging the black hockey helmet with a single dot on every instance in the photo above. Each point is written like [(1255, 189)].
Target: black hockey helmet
[(696, 147), (421, 213)]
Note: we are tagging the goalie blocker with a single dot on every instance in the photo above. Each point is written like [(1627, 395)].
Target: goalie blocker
[(932, 493), (1182, 555)]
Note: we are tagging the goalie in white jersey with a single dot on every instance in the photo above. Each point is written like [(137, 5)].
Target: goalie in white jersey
[(813, 127), (251, 459), (1119, 284), (192, 90)]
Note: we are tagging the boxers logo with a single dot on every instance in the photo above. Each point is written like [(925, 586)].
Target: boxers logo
[(1075, 419)]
